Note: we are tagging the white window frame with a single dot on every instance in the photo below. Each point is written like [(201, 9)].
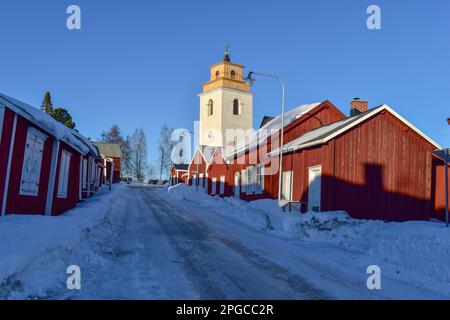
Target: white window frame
[(37, 137), (85, 172), (251, 180), (222, 185), (64, 171), (213, 186), (244, 181), (259, 177)]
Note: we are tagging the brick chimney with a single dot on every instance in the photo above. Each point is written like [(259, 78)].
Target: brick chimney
[(358, 106)]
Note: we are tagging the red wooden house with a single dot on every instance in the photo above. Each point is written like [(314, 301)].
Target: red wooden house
[(374, 165), (178, 174), (220, 177), (40, 161), (247, 165), (197, 168)]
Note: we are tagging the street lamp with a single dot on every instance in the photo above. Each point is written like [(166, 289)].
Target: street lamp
[(250, 81)]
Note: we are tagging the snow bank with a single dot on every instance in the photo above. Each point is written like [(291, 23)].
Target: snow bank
[(418, 246), (24, 239)]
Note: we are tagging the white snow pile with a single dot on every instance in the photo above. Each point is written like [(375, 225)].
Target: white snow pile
[(27, 241), (419, 246)]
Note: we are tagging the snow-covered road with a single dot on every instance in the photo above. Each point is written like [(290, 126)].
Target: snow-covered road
[(163, 248)]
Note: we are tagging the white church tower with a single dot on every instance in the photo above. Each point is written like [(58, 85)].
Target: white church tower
[(226, 103)]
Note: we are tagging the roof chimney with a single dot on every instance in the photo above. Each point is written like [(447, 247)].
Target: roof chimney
[(358, 106)]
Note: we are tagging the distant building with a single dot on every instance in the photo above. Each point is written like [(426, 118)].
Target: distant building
[(112, 151)]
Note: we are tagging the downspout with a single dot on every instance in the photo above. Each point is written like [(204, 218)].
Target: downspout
[(8, 168), (52, 177)]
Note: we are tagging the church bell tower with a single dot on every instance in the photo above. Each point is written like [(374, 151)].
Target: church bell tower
[(225, 103)]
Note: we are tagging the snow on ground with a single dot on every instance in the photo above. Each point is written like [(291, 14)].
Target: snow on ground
[(419, 250), (31, 242)]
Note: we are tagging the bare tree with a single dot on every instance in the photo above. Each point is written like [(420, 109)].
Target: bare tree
[(165, 150), (138, 156)]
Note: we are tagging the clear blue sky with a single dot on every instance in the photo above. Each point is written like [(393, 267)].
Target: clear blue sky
[(141, 63)]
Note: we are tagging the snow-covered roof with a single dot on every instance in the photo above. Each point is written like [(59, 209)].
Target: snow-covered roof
[(328, 132), (207, 152), (274, 125), (47, 123)]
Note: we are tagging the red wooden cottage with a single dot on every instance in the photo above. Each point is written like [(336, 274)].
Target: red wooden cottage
[(40, 161), (178, 174), (197, 175), (220, 177), (374, 165), (250, 176)]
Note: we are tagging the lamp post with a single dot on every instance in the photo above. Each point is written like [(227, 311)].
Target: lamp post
[(250, 81)]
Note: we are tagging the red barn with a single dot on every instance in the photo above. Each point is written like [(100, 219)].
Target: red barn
[(40, 161), (374, 165), (178, 174)]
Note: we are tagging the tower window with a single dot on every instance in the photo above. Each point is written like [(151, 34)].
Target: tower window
[(210, 107), (236, 107), (217, 74), (233, 74)]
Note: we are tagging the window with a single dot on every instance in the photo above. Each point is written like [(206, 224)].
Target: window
[(251, 180), (233, 74), (32, 160), (64, 167), (244, 181), (222, 185), (210, 107), (259, 179), (85, 167), (217, 74), (236, 107), (213, 186)]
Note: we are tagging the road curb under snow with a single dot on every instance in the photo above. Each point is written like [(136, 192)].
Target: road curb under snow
[(421, 248)]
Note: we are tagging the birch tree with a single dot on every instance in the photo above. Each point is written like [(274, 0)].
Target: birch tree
[(165, 151), (138, 156)]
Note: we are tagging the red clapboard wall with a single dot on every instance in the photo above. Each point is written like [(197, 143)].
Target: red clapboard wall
[(380, 169)]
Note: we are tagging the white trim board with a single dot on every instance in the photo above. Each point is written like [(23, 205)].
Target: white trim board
[(8, 170)]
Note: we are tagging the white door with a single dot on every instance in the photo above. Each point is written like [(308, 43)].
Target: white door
[(314, 188), (237, 185), (286, 193)]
